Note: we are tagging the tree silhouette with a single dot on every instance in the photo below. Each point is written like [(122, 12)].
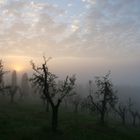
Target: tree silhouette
[(76, 101), (13, 88), (2, 72), (105, 96), (24, 91), (53, 92), (122, 110), (132, 111), (86, 105), (138, 116)]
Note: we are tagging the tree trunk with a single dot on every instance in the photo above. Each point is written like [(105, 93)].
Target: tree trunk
[(12, 98), (47, 106), (134, 120), (76, 108), (103, 110), (66, 104), (102, 119), (54, 118), (123, 119)]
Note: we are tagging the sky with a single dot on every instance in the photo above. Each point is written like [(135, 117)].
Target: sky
[(85, 37)]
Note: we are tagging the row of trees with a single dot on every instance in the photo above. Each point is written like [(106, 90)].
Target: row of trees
[(13, 88), (104, 102), (53, 91)]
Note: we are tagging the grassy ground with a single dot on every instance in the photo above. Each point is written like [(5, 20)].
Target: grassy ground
[(31, 122)]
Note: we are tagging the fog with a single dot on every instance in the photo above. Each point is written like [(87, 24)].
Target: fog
[(124, 74), (84, 39)]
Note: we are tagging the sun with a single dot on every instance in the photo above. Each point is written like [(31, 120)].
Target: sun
[(18, 63), (18, 67)]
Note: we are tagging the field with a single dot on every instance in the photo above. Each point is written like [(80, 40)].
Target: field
[(26, 121)]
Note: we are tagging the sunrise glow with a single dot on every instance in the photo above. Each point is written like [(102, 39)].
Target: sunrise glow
[(18, 67)]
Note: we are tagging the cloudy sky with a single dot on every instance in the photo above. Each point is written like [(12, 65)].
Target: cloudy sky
[(88, 37)]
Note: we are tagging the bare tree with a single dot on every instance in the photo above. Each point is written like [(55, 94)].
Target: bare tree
[(134, 116), (13, 88), (105, 96), (132, 111), (24, 91), (86, 105), (138, 116), (76, 101), (2, 72), (53, 92), (122, 110)]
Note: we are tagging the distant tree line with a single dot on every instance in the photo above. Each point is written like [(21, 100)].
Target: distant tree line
[(12, 89)]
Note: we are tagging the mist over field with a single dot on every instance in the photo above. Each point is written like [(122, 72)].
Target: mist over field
[(69, 69)]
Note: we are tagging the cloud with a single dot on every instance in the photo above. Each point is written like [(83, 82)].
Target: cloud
[(108, 28), (29, 27), (75, 25), (89, 1)]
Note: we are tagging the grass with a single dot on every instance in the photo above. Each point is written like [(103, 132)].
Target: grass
[(31, 122)]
